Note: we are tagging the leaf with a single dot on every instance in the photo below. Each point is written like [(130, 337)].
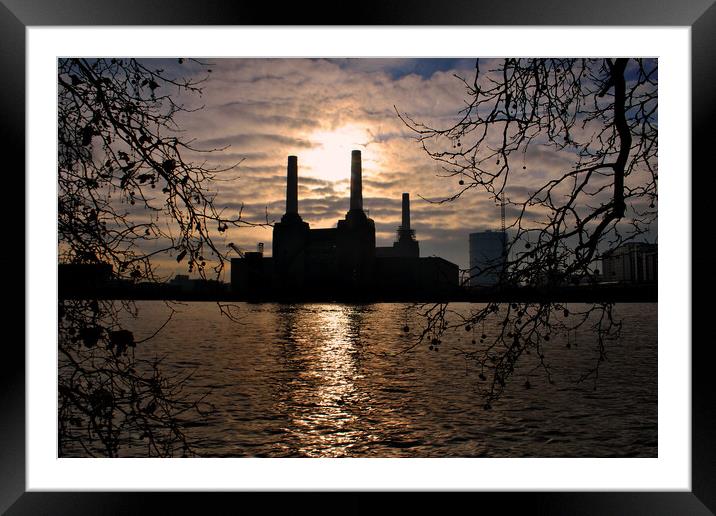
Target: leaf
[(169, 165), (181, 256), (86, 135), (90, 336), (121, 338)]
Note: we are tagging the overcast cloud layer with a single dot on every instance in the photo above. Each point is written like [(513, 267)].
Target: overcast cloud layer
[(259, 111)]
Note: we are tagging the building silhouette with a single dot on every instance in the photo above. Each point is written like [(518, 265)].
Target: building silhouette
[(342, 261), (406, 245), (184, 283), (634, 262), (487, 257), (82, 277)]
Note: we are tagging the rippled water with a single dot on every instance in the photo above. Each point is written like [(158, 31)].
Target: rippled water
[(324, 380)]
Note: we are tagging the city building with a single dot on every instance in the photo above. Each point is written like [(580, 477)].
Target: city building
[(634, 262), (341, 261), (487, 257)]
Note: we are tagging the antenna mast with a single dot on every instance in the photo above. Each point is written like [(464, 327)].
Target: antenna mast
[(502, 212), (502, 227)]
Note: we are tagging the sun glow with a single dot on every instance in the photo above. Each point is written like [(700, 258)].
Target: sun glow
[(330, 159)]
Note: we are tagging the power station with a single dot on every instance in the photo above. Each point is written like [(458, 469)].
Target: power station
[(341, 262)]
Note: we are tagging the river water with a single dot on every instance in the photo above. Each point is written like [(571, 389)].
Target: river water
[(333, 380)]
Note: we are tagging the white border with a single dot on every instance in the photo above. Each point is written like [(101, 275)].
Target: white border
[(672, 468)]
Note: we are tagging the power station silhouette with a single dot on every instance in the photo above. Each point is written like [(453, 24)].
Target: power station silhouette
[(341, 262)]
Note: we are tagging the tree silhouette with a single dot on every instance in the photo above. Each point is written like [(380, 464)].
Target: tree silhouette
[(124, 181), (600, 118), (110, 402), (128, 192)]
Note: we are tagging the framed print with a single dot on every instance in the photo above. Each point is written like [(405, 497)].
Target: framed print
[(227, 302)]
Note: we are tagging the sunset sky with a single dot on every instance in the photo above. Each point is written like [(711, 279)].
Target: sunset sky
[(263, 110)]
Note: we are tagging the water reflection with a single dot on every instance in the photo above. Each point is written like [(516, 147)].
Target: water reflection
[(327, 380), (325, 406)]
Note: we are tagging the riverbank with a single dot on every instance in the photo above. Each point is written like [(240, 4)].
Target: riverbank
[(574, 294)]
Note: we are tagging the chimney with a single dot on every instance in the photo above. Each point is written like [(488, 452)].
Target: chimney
[(292, 186), (356, 181), (406, 211)]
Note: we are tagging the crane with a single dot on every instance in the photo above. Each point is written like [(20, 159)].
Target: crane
[(235, 248)]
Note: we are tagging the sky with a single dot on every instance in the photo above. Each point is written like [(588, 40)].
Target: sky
[(260, 111)]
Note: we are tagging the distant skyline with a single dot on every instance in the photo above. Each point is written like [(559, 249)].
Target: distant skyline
[(263, 110)]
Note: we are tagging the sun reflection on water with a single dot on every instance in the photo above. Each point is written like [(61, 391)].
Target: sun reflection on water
[(326, 408)]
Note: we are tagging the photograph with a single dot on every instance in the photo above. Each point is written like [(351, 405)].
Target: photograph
[(419, 257)]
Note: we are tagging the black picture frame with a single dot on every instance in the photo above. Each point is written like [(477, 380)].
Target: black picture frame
[(699, 15)]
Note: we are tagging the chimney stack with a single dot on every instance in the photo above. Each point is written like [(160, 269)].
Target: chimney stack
[(406, 211), (292, 186), (356, 181)]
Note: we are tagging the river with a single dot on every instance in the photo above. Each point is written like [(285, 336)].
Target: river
[(332, 380)]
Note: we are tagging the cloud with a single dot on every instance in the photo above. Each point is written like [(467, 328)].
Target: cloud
[(256, 140), (263, 110)]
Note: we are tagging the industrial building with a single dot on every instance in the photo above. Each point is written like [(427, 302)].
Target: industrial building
[(487, 258), (342, 261), (405, 246), (634, 262)]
